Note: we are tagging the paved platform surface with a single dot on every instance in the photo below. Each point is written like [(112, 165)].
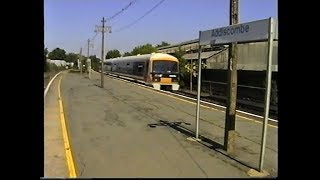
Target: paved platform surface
[(54, 156), (110, 134)]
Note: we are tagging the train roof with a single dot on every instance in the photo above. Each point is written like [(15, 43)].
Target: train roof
[(153, 56)]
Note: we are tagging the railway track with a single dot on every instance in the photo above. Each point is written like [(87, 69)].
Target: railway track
[(250, 106), (247, 108)]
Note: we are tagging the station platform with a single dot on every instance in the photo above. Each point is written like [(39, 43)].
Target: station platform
[(125, 130)]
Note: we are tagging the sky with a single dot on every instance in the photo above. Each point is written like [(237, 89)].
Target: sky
[(68, 24)]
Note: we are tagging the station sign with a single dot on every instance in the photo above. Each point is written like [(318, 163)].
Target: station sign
[(246, 32)]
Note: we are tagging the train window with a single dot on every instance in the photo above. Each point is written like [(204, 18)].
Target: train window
[(140, 68), (165, 66), (147, 67)]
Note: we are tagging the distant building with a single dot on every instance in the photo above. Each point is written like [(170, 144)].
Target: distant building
[(57, 62), (252, 56), (70, 64)]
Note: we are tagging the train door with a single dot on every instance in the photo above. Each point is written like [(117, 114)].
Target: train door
[(138, 68), (146, 70)]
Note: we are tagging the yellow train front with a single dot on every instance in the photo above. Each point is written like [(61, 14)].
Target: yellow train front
[(157, 69)]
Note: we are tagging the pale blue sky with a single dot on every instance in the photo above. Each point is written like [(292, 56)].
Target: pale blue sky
[(68, 24)]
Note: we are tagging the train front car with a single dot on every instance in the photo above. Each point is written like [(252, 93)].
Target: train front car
[(164, 71)]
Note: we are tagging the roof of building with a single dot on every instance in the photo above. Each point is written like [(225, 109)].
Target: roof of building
[(204, 55), (180, 44)]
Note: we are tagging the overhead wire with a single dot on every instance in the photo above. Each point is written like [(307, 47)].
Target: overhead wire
[(123, 9), (112, 17), (136, 21)]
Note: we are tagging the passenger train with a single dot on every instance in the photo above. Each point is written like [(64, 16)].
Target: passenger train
[(157, 69)]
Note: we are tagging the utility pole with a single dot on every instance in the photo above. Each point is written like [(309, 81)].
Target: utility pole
[(80, 60), (199, 91), (88, 64), (102, 29), (191, 74), (230, 134), (88, 48), (102, 52)]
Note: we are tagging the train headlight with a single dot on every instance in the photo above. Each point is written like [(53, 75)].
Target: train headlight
[(158, 75), (172, 75)]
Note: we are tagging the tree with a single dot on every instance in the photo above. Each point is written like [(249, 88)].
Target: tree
[(185, 67), (144, 49), (182, 61), (95, 63), (163, 43), (113, 54), (46, 52), (71, 57), (126, 54), (195, 68), (57, 54), (45, 60), (184, 78)]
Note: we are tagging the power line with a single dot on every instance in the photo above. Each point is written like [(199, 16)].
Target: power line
[(127, 26), (123, 9), (92, 39)]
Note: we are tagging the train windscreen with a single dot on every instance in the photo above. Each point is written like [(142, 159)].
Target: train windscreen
[(165, 67)]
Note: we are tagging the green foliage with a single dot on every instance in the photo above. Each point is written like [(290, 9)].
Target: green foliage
[(126, 54), (46, 52), (185, 68), (95, 63), (144, 49), (71, 57), (182, 62), (75, 65), (45, 68), (113, 54), (195, 68), (184, 74), (163, 43), (54, 68), (57, 54)]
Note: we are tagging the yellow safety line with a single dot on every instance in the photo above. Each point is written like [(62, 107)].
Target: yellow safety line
[(70, 162)]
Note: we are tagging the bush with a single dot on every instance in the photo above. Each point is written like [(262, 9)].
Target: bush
[(182, 84), (54, 68)]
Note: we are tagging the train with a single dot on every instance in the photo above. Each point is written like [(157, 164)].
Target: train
[(159, 70)]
